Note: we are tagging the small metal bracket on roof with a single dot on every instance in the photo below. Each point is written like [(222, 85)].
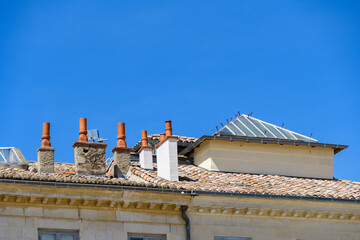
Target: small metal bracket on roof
[(94, 135), (193, 193)]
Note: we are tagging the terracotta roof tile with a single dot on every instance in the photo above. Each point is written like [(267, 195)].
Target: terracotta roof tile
[(58, 167), (195, 178)]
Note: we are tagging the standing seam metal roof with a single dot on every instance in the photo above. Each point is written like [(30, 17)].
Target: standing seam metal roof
[(247, 126)]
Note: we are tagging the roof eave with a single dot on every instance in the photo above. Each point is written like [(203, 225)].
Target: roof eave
[(337, 148)]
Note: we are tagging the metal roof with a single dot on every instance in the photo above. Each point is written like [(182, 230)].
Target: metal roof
[(247, 126)]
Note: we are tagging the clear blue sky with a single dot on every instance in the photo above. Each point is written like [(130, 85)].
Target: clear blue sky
[(193, 62)]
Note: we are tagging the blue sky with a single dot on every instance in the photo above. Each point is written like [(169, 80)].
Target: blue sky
[(193, 62)]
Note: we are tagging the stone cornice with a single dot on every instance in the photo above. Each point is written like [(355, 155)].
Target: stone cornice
[(132, 205)]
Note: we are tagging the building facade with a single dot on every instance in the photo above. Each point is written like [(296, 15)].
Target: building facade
[(222, 187)]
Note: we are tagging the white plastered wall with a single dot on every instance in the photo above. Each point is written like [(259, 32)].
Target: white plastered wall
[(146, 160), (167, 160), (288, 160)]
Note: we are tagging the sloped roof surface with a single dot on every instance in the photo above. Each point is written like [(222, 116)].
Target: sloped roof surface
[(58, 167), (193, 178), (247, 126), (198, 179)]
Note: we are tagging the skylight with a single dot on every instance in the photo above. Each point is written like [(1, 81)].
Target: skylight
[(247, 126), (9, 156)]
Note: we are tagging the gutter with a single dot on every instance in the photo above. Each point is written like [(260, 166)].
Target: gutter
[(187, 221), (337, 148)]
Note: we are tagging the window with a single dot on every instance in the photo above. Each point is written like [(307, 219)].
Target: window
[(146, 237), (232, 238), (51, 234)]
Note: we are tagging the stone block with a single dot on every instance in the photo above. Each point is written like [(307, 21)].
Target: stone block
[(121, 161), (46, 159), (28, 232), (89, 158), (33, 211), (16, 221)]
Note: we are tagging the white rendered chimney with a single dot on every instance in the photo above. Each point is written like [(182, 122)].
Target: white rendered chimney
[(167, 156), (145, 152)]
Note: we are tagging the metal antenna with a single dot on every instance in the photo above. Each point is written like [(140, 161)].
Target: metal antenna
[(93, 134), (282, 125)]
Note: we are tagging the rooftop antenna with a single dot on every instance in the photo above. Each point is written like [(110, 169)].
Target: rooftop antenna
[(282, 125), (93, 134)]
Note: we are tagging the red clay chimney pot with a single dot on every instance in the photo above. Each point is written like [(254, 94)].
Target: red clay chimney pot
[(144, 139), (168, 129), (162, 137), (46, 135), (121, 143), (83, 130)]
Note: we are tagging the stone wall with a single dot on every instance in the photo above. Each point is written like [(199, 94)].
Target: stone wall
[(89, 158), (112, 214)]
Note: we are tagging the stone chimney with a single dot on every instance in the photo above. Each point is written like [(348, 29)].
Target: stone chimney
[(167, 155), (46, 152), (145, 152), (121, 153), (89, 156)]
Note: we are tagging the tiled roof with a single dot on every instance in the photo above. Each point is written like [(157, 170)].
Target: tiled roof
[(21, 174), (193, 178), (180, 139), (198, 179), (155, 139), (58, 167)]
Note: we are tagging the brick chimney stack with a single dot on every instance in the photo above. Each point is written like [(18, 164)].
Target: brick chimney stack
[(145, 152), (167, 155), (45, 152), (89, 156), (121, 153)]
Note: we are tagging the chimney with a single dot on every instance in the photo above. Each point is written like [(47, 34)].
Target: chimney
[(89, 156), (45, 152), (121, 153), (145, 152), (167, 155)]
